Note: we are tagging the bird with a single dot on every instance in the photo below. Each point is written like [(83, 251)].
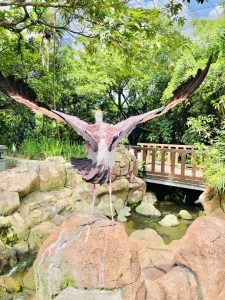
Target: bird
[(101, 138)]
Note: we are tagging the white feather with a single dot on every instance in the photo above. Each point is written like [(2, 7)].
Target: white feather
[(105, 157)]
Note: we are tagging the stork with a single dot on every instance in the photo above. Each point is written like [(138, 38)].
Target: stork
[(101, 138)]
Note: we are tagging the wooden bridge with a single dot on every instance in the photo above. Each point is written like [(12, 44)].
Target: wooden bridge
[(172, 165)]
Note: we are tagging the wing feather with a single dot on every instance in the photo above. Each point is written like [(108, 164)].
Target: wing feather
[(124, 128), (81, 127), (21, 92)]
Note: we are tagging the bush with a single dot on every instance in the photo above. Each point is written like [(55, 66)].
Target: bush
[(43, 148), (212, 161)]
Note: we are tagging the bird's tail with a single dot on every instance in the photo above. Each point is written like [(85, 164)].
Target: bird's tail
[(89, 171)]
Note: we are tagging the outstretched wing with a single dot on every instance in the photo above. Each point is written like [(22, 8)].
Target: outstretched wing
[(22, 93), (185, 89), (124, 128), (80, 127)]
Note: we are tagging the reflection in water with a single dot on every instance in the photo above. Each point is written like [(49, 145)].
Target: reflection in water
[(136, 221)]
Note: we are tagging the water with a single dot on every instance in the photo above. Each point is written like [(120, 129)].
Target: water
[(136, 221)]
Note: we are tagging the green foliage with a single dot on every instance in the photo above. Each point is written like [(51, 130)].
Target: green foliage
[(212, 160), (31, 149), (200, 129), (142, 170), (40, 149)]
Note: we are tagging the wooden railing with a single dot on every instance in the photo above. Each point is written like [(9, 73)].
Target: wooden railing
[(169, 162)]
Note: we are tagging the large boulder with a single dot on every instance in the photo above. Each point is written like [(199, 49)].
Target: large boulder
[(197, 271), (155, 257), (95, 257), (202, 251), (52, 174), (9, 202), (22, 180), (209, 200)]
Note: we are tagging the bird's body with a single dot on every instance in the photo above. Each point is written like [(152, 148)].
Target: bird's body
[(101, 138)]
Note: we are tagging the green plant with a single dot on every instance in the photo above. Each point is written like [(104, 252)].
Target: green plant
[(212, 161), (30, 148), (142, 170)]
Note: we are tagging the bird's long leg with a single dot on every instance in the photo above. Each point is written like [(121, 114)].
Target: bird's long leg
[(112, 223), (92, 203), (110, 194), (90, 219)]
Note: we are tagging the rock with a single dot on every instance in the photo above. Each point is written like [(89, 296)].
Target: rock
[(120, 188), (169, 220), (9, 284), (21, 248), (104, 207), (22, 180), (72, 247), (2, 246), (56, 159), (9, 202), (4, 222), (28, 279), (82, 193), (209, 200), (71, 293), (218, 213), (155, 257), (149, 197), (185, 215), (121, 218), (179, 283), (147, 209), (18, 225), (39, 233), (148, 235), (197, 271), (125, 211), (202, 251), (5, 296), (137, 183), (118, 204), (134, 196), (46, 206), (72, 178), (8, 259), (52, 176)]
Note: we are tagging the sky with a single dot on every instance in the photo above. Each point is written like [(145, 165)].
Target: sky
[(210, 9)]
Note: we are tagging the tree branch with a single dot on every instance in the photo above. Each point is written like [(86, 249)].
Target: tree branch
[(74, 4)]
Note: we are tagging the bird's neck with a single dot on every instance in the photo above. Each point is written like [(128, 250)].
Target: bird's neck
[(98, 119)]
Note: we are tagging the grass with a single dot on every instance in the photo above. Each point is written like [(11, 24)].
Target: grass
[(41, 149)]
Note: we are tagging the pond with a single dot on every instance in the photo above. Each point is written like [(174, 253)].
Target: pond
[(136, 221)]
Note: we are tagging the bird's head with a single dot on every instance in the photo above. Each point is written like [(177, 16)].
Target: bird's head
[(98, 116)]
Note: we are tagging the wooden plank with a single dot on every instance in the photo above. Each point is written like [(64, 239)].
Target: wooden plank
[(153, 159), (172, 159), (162, 161), (136, 153), (183, 163), (193, 165), (144, 155)]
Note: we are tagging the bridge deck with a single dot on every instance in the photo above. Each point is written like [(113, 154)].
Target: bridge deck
[(172, 165)]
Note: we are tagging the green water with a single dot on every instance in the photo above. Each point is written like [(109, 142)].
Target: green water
[(136, 221)]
